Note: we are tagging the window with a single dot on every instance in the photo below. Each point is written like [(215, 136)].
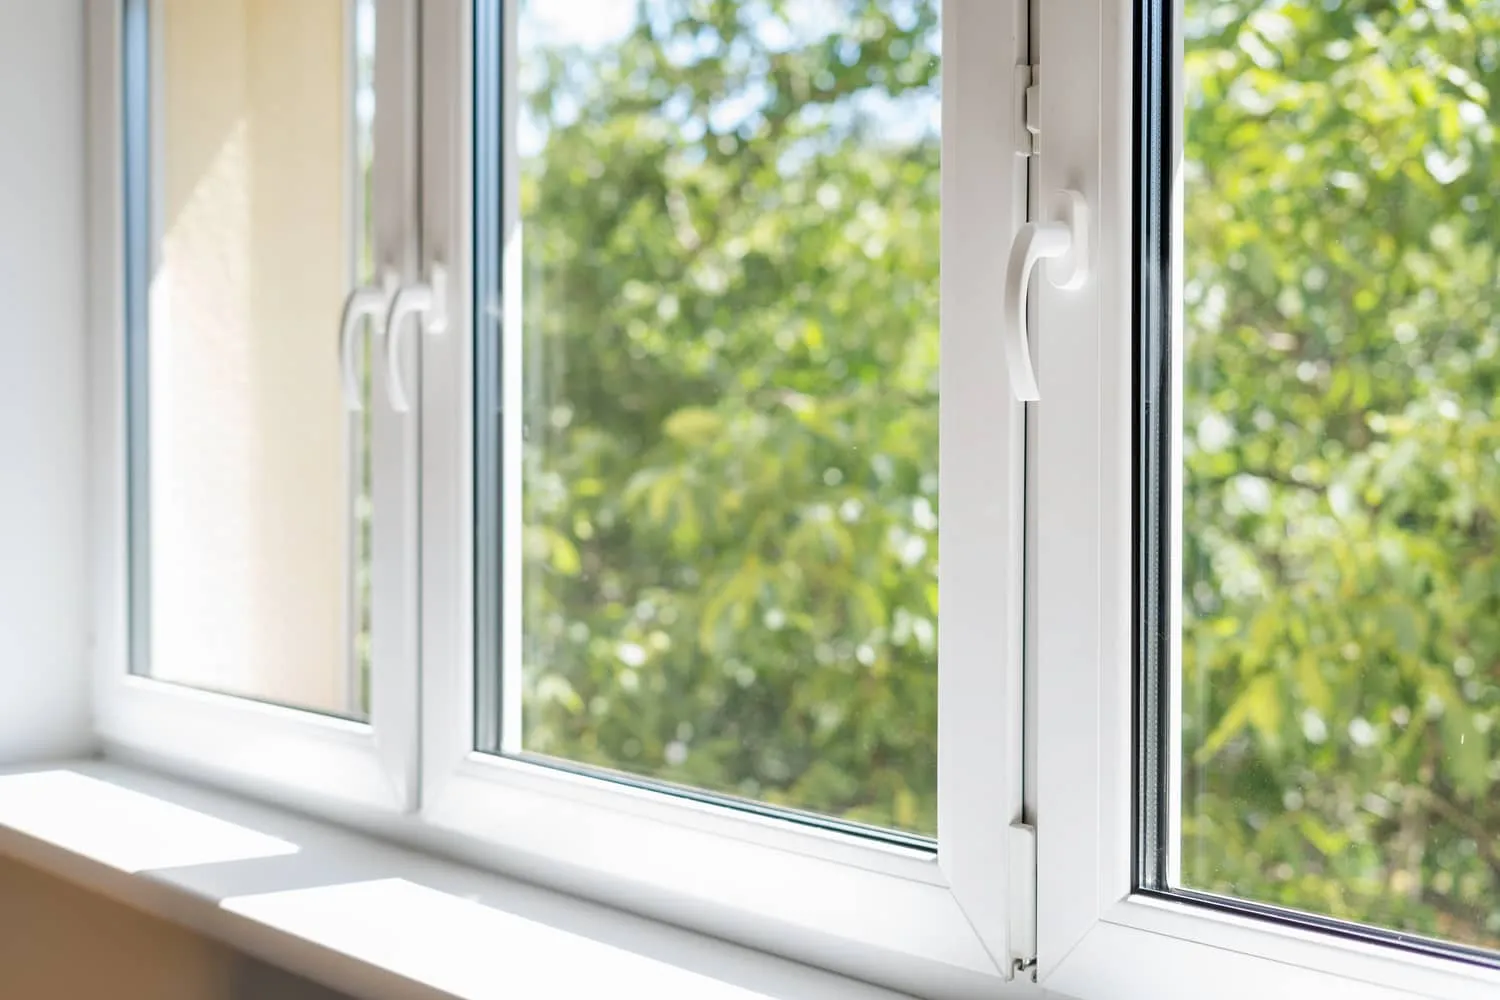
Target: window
[(725, 425), (696, 537), (1263, 455), (266, 498), (247, 475), (548, 429), (528, 421), (1337, 466)]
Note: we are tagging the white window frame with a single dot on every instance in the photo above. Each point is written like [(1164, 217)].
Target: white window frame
[(1097, 938), (951, 922), (933, 923), (261, 748)]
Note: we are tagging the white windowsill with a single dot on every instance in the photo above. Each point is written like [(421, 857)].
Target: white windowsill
[(357, 914)]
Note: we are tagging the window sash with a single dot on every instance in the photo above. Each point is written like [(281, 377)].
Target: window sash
[(927, 923), (924, 923), (1094, 917), (1159, 455), (259, 747)]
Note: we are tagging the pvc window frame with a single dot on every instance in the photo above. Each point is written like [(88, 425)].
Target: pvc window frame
[(956, 921), (938, 923), (241, 743), (934, 922), (1098, 935)]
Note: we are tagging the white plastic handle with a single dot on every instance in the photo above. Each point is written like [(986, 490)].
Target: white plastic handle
[(1065, 242), (369, 301), (430, 301)]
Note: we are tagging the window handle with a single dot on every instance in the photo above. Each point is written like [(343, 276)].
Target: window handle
[(367, 301), (428, 300), (1066, 242)]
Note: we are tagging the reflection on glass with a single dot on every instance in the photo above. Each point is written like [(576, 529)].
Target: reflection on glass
[(259, 209), (1341, 445), (729, 305)]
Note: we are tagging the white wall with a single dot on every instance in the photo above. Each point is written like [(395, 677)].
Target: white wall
[(43, 595)]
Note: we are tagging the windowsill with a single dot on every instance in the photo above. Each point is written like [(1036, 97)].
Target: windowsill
[(355, 913)]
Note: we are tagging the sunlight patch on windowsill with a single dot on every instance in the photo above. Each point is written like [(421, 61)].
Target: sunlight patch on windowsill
[(124, 829), (449, 942), (379, 917)]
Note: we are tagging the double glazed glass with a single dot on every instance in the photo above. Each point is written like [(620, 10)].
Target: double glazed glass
[(1336, 624), (248, 219), (710, 438)]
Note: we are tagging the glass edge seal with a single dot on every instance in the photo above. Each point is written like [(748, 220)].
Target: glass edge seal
[(487, 229), (1151, 312), (1152, 327), (135, 152)]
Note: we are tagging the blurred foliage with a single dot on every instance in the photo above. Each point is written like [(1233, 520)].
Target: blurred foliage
[(730, 313), (730, 228), (1341, 591)]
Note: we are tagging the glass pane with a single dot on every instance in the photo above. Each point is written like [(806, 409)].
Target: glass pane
[(1340, 597), (257, 481), (729, 319)]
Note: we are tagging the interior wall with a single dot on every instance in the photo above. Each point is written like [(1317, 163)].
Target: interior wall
[(43, 598), (56, 940), (60, 942)]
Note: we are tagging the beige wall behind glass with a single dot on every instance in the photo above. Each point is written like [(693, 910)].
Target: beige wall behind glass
[(248, 446)]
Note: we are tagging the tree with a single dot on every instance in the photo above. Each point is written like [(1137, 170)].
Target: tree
[(731, 231), (1341, 614), (731, 246)]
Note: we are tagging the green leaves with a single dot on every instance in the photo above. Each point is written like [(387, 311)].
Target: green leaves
[(1466, 750), (730, 355), (693, 426), (1341, 652), (1258, 703)]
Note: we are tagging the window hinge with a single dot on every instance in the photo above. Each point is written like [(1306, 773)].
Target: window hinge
[(1027, 110), (1022, 901)]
